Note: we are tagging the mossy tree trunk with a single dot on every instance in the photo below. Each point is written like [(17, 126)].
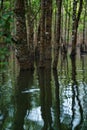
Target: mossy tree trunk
[(22, 51)]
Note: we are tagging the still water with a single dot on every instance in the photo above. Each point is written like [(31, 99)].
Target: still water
[(44, 99)]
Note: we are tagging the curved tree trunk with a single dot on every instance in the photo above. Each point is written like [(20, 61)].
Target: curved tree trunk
[(75, 25)]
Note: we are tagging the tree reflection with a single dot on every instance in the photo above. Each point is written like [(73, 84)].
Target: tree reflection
[(21, 99), (77, 111), (46, 97), (83, 68), (57, 100), (4, 100)]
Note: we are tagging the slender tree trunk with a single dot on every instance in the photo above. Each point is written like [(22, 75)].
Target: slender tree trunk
[(57, 43), (84, 22), (75, 23), (62, 27), (37, 48), (22, 51), (55, 22), (65, 39), (66, 24), (31, 36), (42, 38), (45, 43), (74, 28), (68, 33), (48, 24)]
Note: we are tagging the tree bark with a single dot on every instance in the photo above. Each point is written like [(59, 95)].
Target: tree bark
[(46, 22), (75, 25), (48, 25), (42, 38), (57, 44), (22, 52)]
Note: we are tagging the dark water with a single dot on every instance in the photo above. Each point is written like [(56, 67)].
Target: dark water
[(44, 99)]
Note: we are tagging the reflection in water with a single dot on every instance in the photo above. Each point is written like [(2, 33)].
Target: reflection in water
[(84, 90), (83, 68), (58, 126), (77, 111), (44, 101), (64, 65), (3, 112), (21, 99), (46, 97)]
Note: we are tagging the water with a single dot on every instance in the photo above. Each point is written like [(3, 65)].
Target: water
[(44, 99)]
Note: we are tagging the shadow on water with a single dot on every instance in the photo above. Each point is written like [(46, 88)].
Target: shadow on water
[(46, 97), (77, 110), (22, 104)]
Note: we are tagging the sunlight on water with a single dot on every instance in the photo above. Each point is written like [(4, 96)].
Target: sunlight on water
[(31, 90), (35, 115)]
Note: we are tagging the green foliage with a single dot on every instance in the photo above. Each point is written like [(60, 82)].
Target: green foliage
[(5, 27), (4, 53), (5, 32), (5, 22)]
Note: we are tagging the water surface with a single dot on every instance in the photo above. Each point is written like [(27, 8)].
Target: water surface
[(44, 99)]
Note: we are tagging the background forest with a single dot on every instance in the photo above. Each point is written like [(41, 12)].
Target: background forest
[(41, 29)]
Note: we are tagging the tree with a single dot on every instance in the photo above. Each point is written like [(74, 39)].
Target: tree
[(75, 23), (45, 40), (22, 52), (42, 31), (57, 43)]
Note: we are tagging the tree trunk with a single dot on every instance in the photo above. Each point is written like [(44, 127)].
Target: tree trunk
[(46, 21), (37, 48), (48, 25), (22, 51), (57, 44), (75, 25), (84, 23), (74, 28), (68, 33), (42, 38)]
